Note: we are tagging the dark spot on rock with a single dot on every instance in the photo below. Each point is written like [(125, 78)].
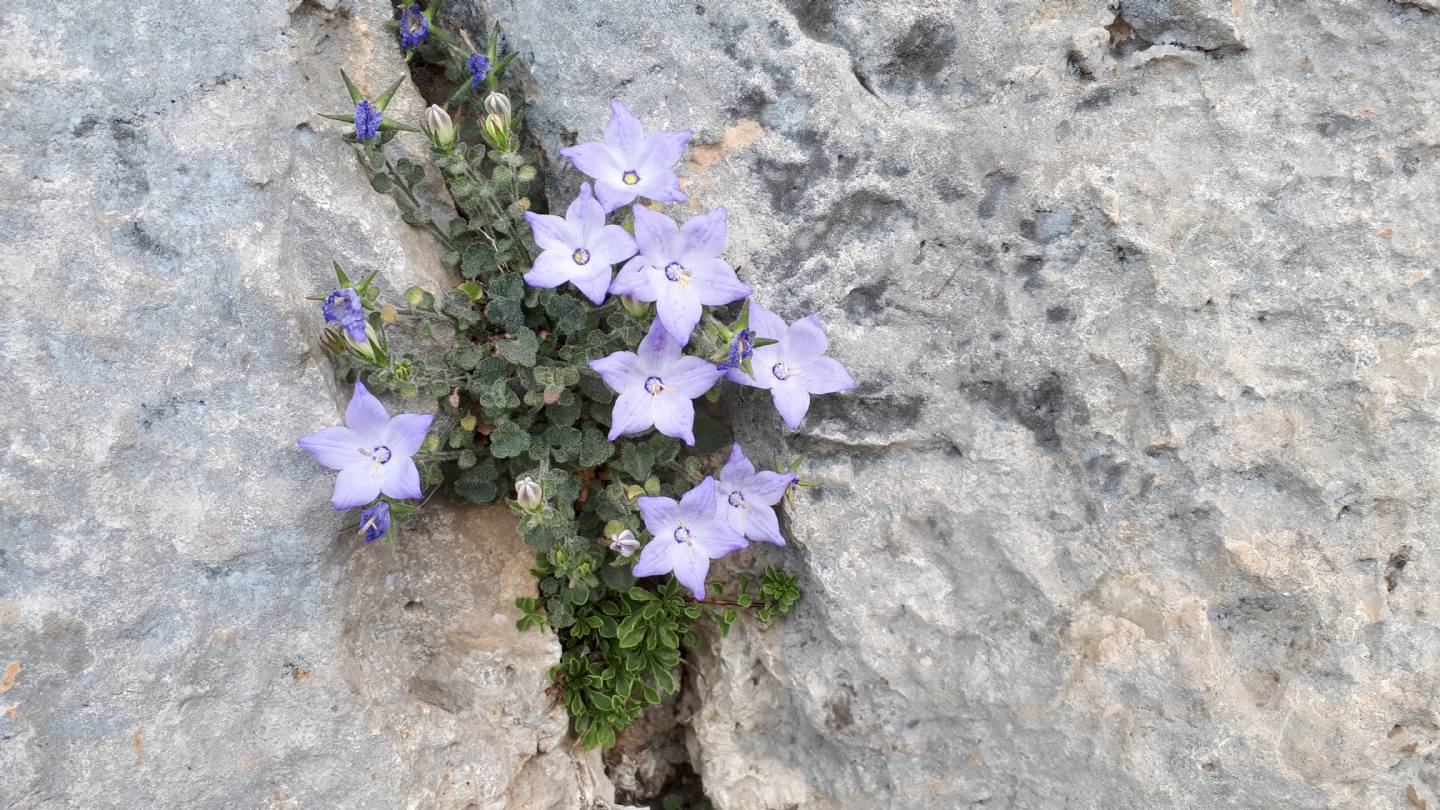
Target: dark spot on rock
[(1332, 124), (1123, 38), (85, 127), (1029, 269), (414, 604), (870, 413), (1395, 565), (779, 36), (1047, 226), (920, 55), (1059, 314), (816, 18), (865, 302), (1076, 65), (1094, 101), (857, 217), (996, 184), (159, 253), (949, 190), (1038, 410)]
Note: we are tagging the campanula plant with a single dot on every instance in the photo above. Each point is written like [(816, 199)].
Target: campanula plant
[(585, 399)]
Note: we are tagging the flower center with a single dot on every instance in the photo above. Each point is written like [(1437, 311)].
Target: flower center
[(676, 271), (630, 178), (737, 499), (581, 255), (682, 534), (782, 372), (655, 386), (379, 455)]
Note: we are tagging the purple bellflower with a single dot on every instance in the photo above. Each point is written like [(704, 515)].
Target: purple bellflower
[(680, 269), (343, 307), (628, 163), (742, 347), (793, 367), (414, 28), (367, 120), (580, 248), (479, 66), (656, 386), (372, 451), (746, 499), (375, 521), (687, 536)]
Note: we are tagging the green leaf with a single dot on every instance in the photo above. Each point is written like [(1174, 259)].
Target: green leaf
[(595, 449), (479, 260), (508, 440), (355, 97), (520, 351), (381, 183), (384, 100)]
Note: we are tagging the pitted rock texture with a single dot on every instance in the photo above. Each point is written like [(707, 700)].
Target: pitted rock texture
[(1134, 505), (183, 621)]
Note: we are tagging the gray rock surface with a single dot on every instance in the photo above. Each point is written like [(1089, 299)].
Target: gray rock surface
[(183, 622), (1135, 504)]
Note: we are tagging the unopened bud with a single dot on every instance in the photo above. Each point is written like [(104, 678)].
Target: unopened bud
[(624, 543), (440, 129), (527, 493), (498, 105), (497, 132), (635, 307)]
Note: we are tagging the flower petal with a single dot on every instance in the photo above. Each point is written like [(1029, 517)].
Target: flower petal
[(654, 234), (594, 284), (691, 376), (585, 214), (552, 232), (738, 467), (356, 486), (679, 310), (552, 268), (633, 281), (365, 415), (760, 362), (791, 400), (673, 415), (704, 236), (609, 244), (657, 557), (406, 432), (613, 194), (690, 569), (765, 323), (633, 412), (400, 478), (825, 376), (336, 447), (768, 487), (805, 341), (716, 538), (624, 133), (714, 283), (659, 514), (699, 502), (762, 524), (621, 370), (662, 150), (661, 187), (657, 350), (595, 159)]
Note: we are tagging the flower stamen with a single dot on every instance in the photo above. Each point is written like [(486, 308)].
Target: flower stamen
[(630, 177), (654, 386), (581, 256), (783, 372), (675, 271), (682, 535)]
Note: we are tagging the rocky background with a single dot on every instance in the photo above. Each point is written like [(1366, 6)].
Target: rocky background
[(1132, 508)]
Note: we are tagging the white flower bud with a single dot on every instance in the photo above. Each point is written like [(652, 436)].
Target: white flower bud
[(497, 132), (527, 493), (498, 105), (624, 543), (439, 127)]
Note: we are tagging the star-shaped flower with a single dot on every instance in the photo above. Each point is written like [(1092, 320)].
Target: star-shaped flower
[(343, 307), (793, 367), (687, 536), (629, 163), (656, 386), (414, 28), (680, 269), (580, 248), (746, 498), (372, 451)]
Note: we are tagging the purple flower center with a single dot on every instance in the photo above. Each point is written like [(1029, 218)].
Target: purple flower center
[(781, 372), (676, 271), (655, 385), (381, 454), (737, 499), (682, 534), (581, 256), (630, 177)]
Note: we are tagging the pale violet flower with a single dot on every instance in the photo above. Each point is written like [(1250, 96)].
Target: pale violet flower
[(624, 543), (680, 269), (687, 536), (656, 385), (629, 163), (372, 451), (746, 498), (527, 493), (794, 367), (375, 521), (580, 248)]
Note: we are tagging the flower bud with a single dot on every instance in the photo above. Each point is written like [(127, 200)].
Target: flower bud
[(527, 493), (636, 308), (367, 347), (624, 543), (440, 129), (498, 105), (497, 132)]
